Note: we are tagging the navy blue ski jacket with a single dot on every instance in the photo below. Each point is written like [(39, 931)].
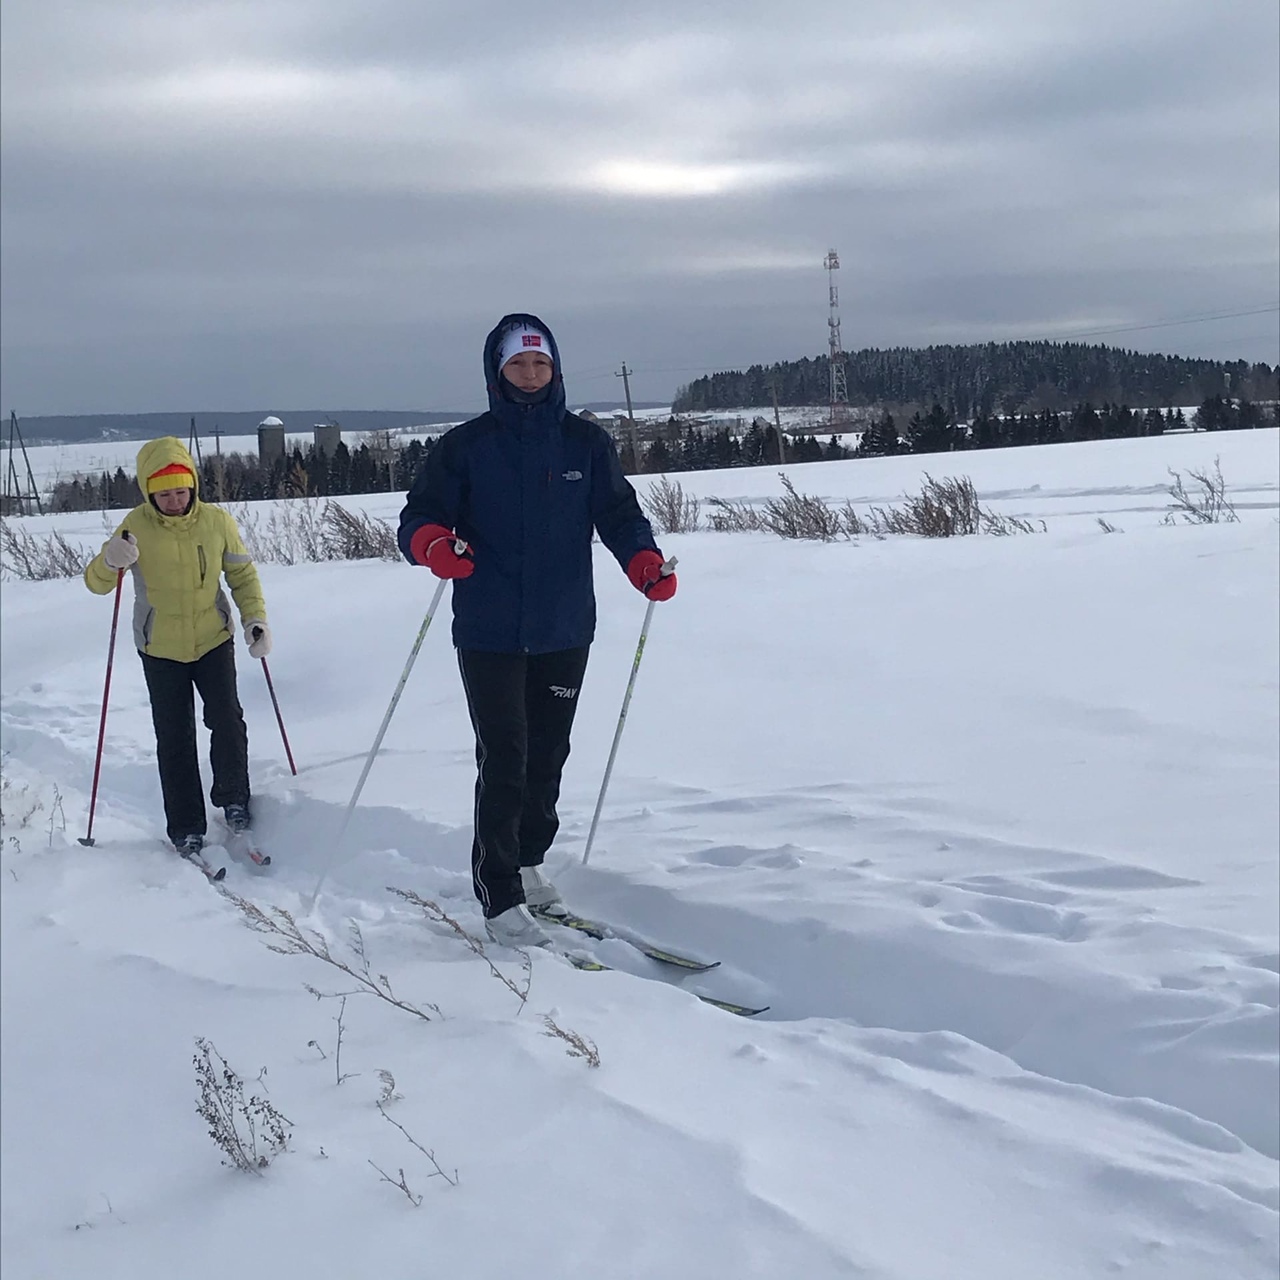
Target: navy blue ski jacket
[(525, 484)]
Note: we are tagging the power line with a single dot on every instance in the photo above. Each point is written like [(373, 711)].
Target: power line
[(1160, 324)]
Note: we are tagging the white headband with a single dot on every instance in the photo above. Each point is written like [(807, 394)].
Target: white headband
[(523, 337)]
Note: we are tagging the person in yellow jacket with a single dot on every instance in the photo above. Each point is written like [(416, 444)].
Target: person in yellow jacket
[(177, 549)]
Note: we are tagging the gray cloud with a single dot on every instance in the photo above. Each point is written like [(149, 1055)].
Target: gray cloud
[(278, 203)]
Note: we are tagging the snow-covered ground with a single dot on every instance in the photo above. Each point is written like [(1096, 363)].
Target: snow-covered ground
[(991, 824)]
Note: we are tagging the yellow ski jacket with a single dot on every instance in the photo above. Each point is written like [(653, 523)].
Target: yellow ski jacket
[(179, 608)]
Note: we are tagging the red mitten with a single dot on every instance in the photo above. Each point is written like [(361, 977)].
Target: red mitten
[(645, 572), (436, 547)]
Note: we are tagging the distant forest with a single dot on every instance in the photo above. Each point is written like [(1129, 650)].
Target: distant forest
[(989, 378), (238, 477)]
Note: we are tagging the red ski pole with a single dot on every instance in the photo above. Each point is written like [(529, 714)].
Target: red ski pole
[(271, 689), (87, 838)]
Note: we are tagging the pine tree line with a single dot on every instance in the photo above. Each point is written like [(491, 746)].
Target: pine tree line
[(684, 447), (938, 431), (240, 477), (988, 378)]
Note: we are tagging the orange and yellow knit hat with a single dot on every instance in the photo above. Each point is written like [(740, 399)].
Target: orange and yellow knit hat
[(174, 476)]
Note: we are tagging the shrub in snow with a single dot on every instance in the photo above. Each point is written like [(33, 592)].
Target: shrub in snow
[(947, 508), (798, 515), (670, 509), (734, 516), (1208, 505), (251, 1132), (307, 531), (437, 1169), (300, 532), (32, 559), (289, 939), (18, 804), (349, 535), (580, 1046)]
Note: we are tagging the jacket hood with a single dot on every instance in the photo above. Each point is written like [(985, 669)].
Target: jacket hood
[(497, 404), (165, 452)]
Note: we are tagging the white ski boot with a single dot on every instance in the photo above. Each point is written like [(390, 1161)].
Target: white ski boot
[(236, 816), (540, 894), (515, 927)]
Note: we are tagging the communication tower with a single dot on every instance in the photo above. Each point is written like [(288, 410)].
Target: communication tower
[(839, 384)]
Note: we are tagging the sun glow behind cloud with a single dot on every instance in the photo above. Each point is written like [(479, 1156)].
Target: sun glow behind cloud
[(271, 161), (676, 180)]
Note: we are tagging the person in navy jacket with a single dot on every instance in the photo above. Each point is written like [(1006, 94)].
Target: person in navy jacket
[(505, 506)]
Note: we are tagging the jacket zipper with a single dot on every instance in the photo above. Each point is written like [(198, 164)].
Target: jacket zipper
[(203, 567)]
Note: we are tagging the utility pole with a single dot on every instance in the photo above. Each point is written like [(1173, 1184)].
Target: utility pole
[(777, 425), (218, 469), (13, 496), (193, 441), (625, 375)]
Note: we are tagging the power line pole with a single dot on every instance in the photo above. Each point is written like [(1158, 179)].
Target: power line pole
[(777, 425), (219, 470), (14, 496), (193, 442), (625, 375)]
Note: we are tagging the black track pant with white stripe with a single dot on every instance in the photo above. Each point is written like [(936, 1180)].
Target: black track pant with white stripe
[(522, 708)]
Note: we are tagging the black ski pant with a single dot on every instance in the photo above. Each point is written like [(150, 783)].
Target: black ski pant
[(522, 708), (170, 685)]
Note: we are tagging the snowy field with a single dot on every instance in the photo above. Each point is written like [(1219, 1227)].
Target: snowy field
[(990, 824)]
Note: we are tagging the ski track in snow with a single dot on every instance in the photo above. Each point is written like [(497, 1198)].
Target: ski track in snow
[(960, 1015)]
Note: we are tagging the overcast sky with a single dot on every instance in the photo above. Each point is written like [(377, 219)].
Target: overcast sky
[(268, 204)]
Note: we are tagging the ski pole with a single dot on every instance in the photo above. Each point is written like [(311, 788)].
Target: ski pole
[(377, 742), (271, 689), (87, 838), (667, 569)]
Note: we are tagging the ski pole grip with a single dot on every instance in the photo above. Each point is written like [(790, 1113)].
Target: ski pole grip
[(668, 567)]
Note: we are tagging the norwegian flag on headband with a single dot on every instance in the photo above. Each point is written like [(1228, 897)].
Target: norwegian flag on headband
[(523, 338)]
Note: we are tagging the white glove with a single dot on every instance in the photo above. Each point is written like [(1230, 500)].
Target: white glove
[(257, 635), (121, 551)]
